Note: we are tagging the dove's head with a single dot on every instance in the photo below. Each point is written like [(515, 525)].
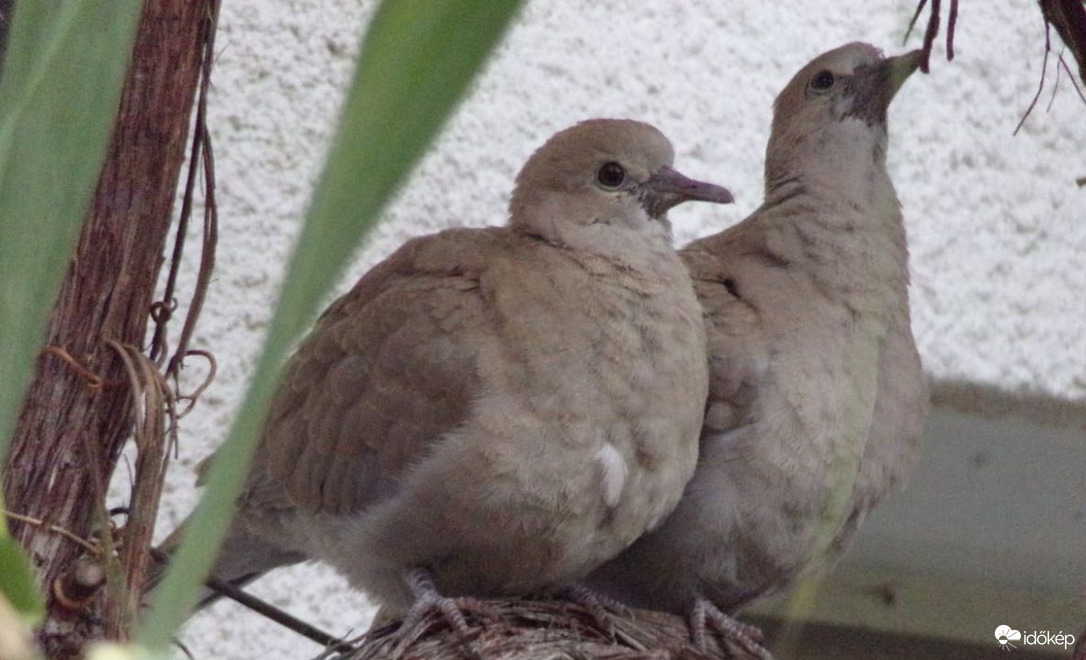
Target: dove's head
[(830, 120), (605, 186)]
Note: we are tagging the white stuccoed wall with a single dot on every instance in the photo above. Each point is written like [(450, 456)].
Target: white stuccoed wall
[(996, 223)]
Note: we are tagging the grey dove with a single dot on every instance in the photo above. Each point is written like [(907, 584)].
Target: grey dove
[(494, 412), (817, 400)]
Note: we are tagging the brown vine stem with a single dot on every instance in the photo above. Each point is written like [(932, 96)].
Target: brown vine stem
[(89, 545)]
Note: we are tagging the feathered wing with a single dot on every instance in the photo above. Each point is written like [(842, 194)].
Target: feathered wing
[(368, 392), (381, 377)]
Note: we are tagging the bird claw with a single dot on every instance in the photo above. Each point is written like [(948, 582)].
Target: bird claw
[(452, 609), (747, 637), (601, 607)]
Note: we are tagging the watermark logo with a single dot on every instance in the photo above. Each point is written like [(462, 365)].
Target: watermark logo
[(1007, 636)]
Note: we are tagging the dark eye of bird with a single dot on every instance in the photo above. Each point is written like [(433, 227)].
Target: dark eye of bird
[(822, 81), (611, 175)]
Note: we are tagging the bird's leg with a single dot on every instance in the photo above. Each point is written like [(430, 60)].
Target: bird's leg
[(600, 606), (428, 601), (704, 615)]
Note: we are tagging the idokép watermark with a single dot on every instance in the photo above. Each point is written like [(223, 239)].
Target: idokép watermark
[(1007, 636)]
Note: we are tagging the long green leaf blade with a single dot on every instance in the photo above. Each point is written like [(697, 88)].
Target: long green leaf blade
[(416, 62), (17, 584), (59, 92)]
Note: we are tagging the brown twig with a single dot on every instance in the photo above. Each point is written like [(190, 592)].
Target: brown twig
[(912, 23), (932, 30), (201, 141), (191, 399), (1055, 85), (200, 155), (161, 312), (236, 593), (184, 649), (1041, 85), (1055, 16), (930, 34), (951, 24), (94, 381), (153, 404), (543, 629), (1071, 76), (89, 545), (1069, 19), (154, 401), (273, 613)]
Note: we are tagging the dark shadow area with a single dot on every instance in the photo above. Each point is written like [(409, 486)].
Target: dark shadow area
[(6, 7)]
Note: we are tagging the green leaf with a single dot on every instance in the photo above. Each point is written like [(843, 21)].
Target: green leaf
[(59, 91), (416, 61), (21, 606), (16, 580)]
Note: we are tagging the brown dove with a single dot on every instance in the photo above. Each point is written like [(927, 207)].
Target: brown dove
[(817, 400), (494, 412)]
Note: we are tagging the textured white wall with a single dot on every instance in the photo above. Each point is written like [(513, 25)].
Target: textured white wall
[(995, 221)]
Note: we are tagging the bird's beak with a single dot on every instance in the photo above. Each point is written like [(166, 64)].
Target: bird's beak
[(877, 85), (667, 188), (898, 69)]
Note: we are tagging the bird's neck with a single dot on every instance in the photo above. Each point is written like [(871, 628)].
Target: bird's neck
[(629, 240), (846, 159), (845, 222), (866, 189)]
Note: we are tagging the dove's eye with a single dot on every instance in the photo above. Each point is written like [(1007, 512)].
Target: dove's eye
[(611, 175), (822, 81)]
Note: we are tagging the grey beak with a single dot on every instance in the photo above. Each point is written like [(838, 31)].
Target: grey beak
[(900, 68), (876, 85), (667, 188)]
